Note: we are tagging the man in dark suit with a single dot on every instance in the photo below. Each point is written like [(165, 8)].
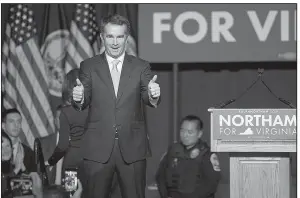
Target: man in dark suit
[(115, 86), (23, 155)]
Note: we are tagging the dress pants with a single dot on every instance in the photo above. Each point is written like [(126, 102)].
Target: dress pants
[(97, 177)]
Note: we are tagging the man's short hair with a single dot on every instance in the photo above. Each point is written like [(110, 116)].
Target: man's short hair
[(54, 191), (193, 118), (114, 19), (8, 111)]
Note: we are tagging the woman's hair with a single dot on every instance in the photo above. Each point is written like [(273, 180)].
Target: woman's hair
[(68, 85), (4, 135), (7, 165)]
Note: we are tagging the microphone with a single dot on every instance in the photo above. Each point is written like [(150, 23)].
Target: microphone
[(36, 153), (220, 106), (287, 102), (39, 161)]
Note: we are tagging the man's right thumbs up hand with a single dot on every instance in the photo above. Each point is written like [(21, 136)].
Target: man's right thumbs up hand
[(78, 91)]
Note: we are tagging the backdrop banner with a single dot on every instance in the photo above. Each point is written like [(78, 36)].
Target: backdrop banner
[(217, 32)]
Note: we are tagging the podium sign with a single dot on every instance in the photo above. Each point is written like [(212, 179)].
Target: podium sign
[(259, 142), (254, 124), (253, 130)]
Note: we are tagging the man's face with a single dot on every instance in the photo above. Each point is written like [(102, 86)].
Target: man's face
[(12, 124), (6, 150), (114, 38), (189, 133)]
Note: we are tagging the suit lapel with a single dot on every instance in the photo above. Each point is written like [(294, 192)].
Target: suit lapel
[(125, 75), (104, 73)]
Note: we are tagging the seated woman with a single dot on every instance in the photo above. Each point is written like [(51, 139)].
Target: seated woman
[(7, 167)]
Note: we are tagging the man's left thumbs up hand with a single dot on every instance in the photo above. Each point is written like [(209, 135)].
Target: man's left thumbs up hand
[(153, 88)]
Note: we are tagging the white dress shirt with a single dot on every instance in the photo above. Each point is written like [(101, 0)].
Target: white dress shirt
[(111, 59)]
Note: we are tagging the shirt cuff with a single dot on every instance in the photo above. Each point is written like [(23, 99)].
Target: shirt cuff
[(153, 101)]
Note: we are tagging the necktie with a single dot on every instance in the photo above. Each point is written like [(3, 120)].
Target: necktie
[(115, 75)]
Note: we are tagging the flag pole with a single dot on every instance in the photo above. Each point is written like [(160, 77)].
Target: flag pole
[(175, 102)]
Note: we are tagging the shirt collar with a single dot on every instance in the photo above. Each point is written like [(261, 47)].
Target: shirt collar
[(16, 144), (110, 59)]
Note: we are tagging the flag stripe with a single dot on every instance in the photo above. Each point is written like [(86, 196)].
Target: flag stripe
[(73, 54), (8, 102), (80, 38), (34, 72), (38, 61), (15, 88), (5, 50), (39, 69), (4, 60), (30, 99), (26, 80), (8, 30), (72, 63), (75, 48), (9, 99)]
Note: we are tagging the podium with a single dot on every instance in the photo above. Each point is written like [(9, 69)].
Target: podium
[(258, 142)]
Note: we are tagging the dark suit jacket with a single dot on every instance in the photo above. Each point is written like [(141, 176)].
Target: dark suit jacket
[(29, 159), (71, 131), (108, 113), (48, 144)]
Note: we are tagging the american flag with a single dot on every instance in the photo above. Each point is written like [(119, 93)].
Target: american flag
[(83, 36), (24, 76)]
